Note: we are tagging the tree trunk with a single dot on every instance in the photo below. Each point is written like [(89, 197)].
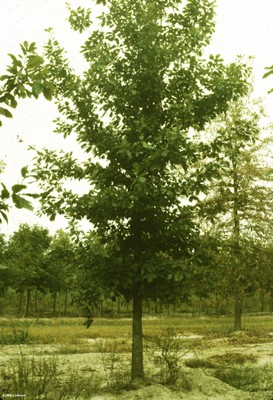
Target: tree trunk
[(54, 302), (21, 301), (237, 313), (36, 301), (262, 302), (65, 302), (101, 309), (137, 369), (118, 310), (26, 312), (271, 303)]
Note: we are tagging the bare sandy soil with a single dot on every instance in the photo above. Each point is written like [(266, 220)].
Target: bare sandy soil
[(201, 385)]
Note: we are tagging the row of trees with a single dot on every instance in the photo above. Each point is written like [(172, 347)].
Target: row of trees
[(32, 261), (177, 203), (39, 273)]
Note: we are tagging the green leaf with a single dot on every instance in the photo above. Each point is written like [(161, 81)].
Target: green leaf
[(35, 62), (267, 74), (24, 172), (5, 77), (269, 71), (4, 193), (3, 215), (49, 85), (9, 99), (37, 88), (18, 188), (21, 202), (5, 112), (47, 93), (33, 195)]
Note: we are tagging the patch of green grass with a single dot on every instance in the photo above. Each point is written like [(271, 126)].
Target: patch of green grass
[(14, 336), (233, 358), (71, 349), (72, 331), (199, 363), (222, 360), (112, 346), (251, 378)]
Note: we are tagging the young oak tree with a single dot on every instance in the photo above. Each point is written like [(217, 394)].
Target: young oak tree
[(146, 84), (238, 206)]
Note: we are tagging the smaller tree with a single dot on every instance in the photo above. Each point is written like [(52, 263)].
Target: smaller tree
[(25, 256), (59, 266), (239, 204)]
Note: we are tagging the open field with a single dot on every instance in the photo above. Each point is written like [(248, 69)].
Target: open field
[(194, 358)]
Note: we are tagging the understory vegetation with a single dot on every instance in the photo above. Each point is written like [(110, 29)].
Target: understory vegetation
[(61, 359)]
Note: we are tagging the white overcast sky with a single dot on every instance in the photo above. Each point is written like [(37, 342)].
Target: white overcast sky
[(244, 27)]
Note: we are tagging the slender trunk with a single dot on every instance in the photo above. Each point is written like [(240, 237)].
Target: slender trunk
[(60, 301), (26, 312), (236, 236), (36, 301), (161, 307), (65, 301), (262, 302), (54, 302), (150, 307), (137, 368), (21, 300), (237, 312), (118, 310), (271, 303)]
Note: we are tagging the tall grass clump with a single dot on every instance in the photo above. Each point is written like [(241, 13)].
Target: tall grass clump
[(42, 379)]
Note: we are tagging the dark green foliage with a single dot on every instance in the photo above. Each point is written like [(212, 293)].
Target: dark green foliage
[(25, 258), (147, 86)]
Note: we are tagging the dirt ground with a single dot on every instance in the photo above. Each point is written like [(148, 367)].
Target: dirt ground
[(204, 388), (202, 384)]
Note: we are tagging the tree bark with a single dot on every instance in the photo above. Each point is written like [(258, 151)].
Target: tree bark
[(54, 302), (26, 312), (137, 368), (20, 306), (237, 313), (236, 236), (36, 301), (65, 302)]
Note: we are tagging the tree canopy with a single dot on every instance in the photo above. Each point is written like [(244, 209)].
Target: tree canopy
[(147, 88)]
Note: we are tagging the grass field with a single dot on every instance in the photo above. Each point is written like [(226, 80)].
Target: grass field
[(72, 330)]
